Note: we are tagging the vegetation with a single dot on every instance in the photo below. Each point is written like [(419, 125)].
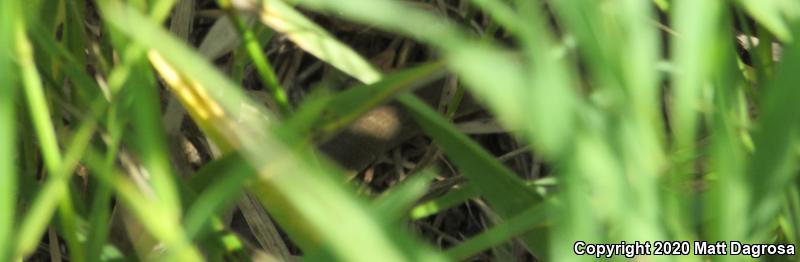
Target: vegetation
[(218, 130)]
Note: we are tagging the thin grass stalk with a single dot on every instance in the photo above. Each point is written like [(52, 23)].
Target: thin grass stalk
[(262, 65)]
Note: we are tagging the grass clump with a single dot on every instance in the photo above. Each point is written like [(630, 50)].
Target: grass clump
[(386, 130)]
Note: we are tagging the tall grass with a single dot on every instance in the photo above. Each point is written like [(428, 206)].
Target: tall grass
[(652, 126)]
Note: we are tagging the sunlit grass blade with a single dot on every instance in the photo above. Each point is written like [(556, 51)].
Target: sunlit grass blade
[(315, 40)]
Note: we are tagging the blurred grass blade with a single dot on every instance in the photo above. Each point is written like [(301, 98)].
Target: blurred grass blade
[(209, 192), (501, 233), (621, 49), (792, 214), (150, 140), (9, 25), (392, 206), (217, 191), (45, 202), (395, 16), (506, 192), (222, 37), (462, 193), (54, 193), (495, 181), (144, 208), (74, 34), (701, 34), (772, 14), (315, 40), (37, 102), (773, 165), (135, 77), (729, 198), (452, 198), (71, 66)]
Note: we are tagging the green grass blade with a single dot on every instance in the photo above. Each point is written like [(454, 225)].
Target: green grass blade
[(728, 199), (393, 205), (262, 65), (773, 166), (315, 40), (54, 193), (772, 14), (452, 198), (699, 31), (74, 35), (8, 127), (489, 176), (219, 191), (144, 208), (139, 85), (792, 215), (700, 34), (32, 229), (506, 192), (515, 226), (620, 46), (37, 103), (71, 66), (150, 138)]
